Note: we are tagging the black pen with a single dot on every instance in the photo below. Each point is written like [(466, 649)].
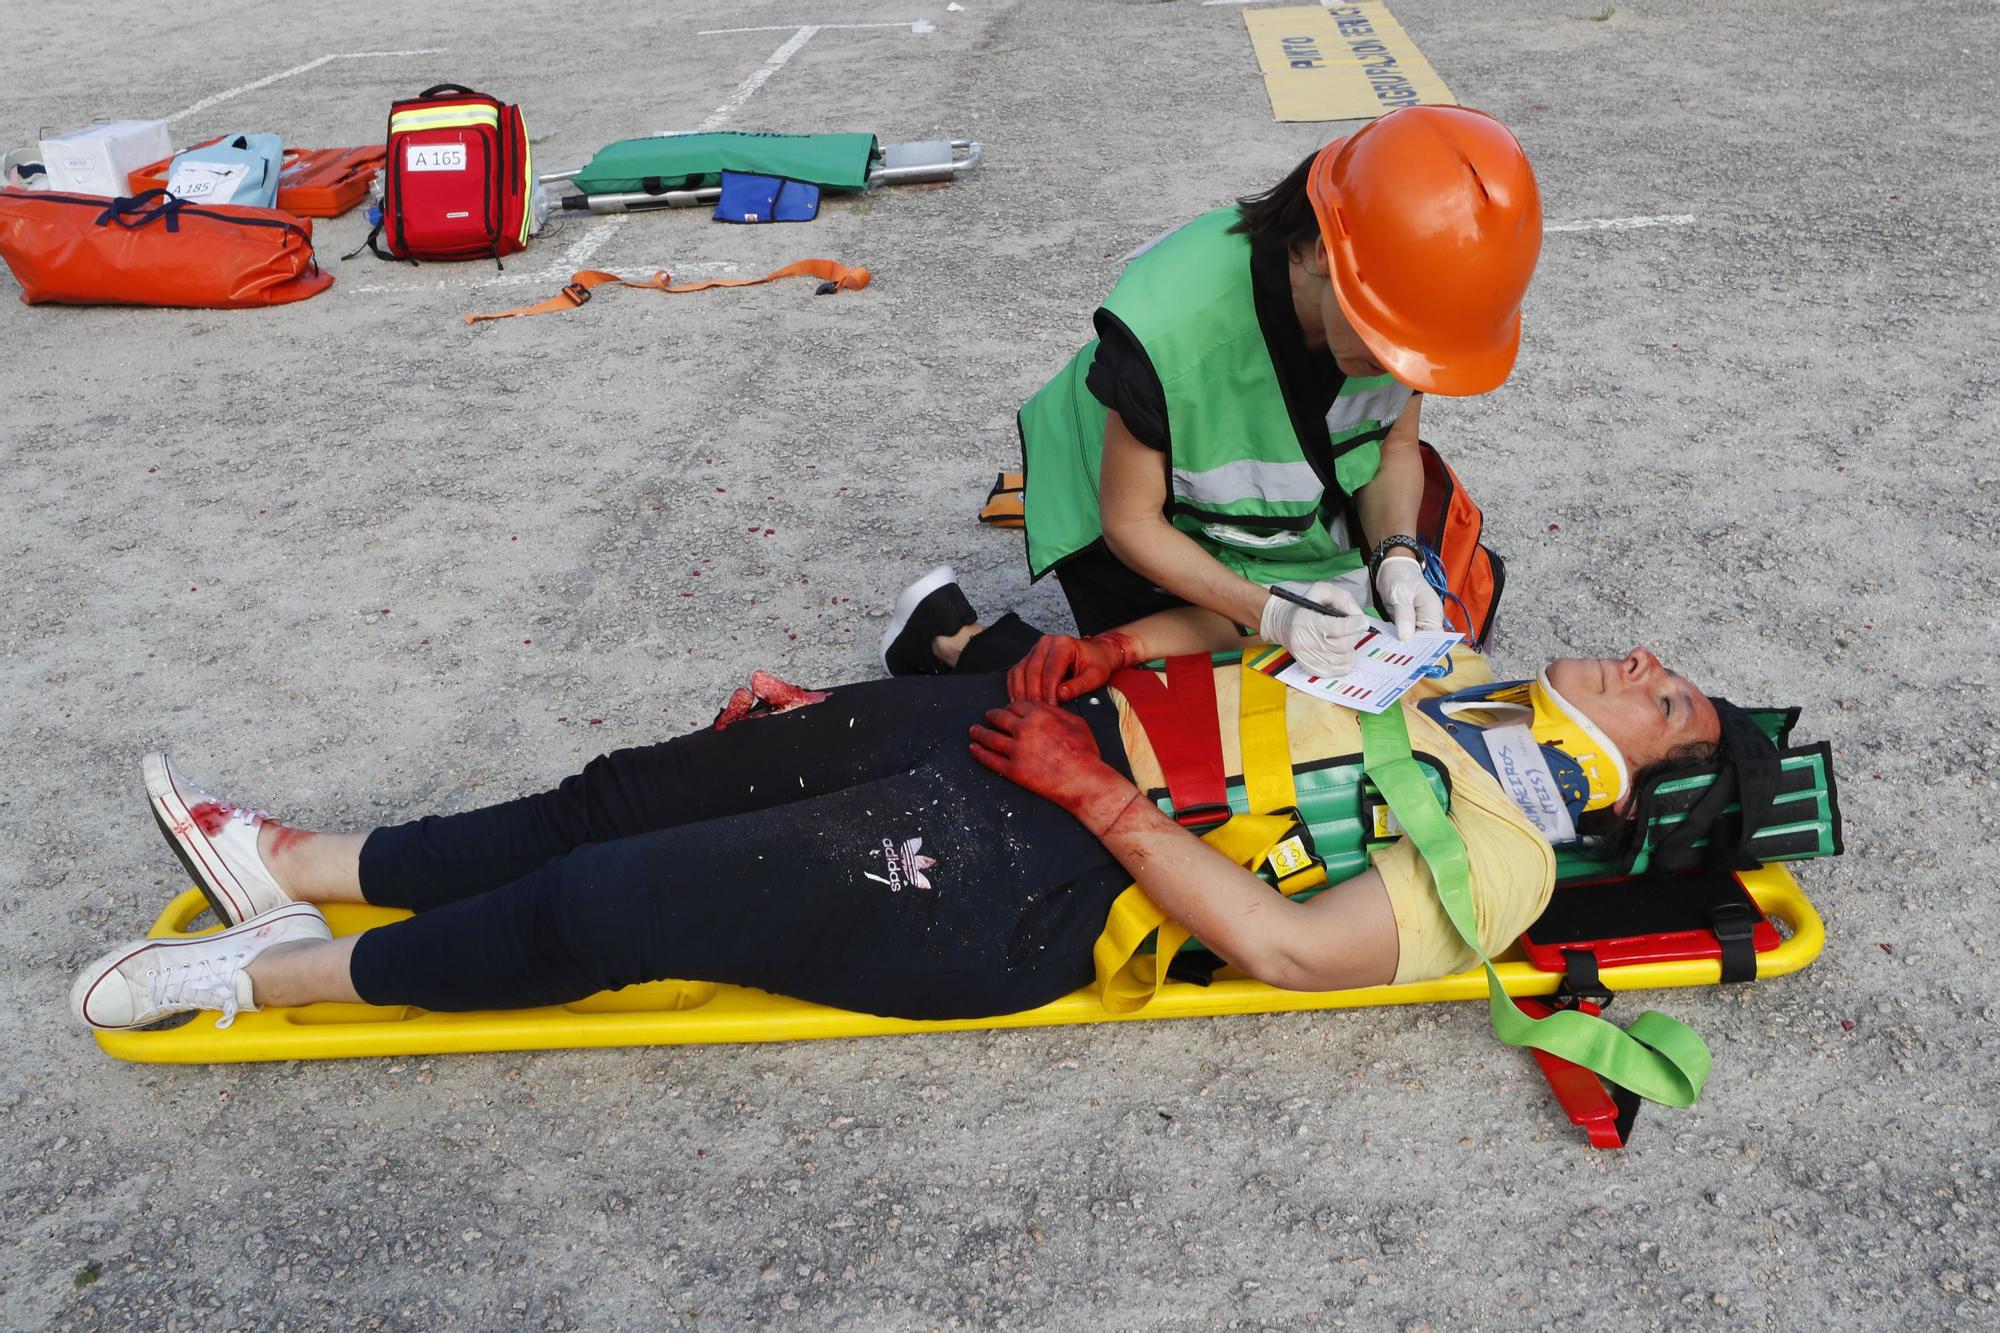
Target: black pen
[(1298, 599)]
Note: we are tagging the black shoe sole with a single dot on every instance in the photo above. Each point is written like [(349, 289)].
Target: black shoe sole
[(195, 876)]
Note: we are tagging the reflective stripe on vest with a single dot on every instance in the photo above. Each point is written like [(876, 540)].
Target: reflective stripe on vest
[(1247, 478), (1367, 404)]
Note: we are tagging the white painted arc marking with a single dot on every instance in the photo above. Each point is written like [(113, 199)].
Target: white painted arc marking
[(1623, 224), (748, 88), (916, 26), (296, 70)]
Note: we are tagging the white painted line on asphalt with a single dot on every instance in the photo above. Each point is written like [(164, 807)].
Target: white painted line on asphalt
[(265, 82), (801, 34), (918, 26), (746, 89), (578, 255), (1624, 224)]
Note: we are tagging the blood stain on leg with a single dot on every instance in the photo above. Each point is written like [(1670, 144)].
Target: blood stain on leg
[(285, 840)]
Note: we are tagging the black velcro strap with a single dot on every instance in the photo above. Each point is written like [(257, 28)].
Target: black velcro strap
[(1733, 923), (1580, 977), (1627, 1102), (1197, 966)]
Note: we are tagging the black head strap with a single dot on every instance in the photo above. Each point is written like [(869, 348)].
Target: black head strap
[(1748, 771)]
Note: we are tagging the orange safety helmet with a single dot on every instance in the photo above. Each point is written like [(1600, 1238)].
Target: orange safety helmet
[(1432, 223)]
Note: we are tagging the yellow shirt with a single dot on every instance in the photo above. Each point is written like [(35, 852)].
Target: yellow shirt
[(1513, 869)]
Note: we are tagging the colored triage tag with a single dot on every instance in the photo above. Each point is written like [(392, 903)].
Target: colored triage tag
[(1525, 777)]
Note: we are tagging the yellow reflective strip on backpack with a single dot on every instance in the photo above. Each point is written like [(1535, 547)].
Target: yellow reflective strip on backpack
[(444, 118), (527, 185)]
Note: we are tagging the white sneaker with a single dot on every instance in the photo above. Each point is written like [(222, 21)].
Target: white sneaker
[(216, 841), (148, 980)]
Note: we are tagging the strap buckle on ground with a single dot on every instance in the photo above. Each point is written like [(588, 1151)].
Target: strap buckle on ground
[(576, 293)]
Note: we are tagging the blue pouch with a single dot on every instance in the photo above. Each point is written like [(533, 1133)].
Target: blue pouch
[(748, 198), (239, 169)]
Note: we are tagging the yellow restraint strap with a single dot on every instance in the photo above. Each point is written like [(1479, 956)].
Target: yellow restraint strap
[(1128, 979)]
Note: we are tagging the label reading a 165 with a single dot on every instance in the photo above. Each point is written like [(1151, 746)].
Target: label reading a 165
[(434, 157)]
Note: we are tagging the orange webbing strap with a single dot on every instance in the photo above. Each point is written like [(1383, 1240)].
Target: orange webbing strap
[(842, 278)]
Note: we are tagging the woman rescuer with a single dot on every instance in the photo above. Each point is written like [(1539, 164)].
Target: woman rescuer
[(1253, 395)]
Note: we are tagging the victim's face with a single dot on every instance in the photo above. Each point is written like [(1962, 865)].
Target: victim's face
[(1647, 711)]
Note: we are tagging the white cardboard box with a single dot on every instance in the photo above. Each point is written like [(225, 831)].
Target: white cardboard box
[(100, 157)]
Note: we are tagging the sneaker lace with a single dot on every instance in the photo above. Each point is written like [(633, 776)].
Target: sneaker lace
[(205, 984)]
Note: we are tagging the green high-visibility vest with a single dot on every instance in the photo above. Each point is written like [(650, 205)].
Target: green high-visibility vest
[(1240, 481)]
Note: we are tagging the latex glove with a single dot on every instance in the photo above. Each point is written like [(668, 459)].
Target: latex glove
[(1407, 595), (1054, 755), (1323, 644), (1060, 668)]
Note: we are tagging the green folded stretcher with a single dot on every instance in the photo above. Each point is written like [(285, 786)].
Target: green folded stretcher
[(685, 170)]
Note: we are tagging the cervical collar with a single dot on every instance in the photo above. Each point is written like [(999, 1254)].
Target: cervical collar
[(1560, 723), (1586, 765)]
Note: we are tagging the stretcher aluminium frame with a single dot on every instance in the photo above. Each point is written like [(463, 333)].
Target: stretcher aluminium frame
[(925, 162), (670, 1013)]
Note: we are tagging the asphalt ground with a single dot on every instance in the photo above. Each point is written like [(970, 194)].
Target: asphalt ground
[(354, 561)]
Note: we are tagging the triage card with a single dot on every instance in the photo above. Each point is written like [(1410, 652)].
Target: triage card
[(1384, 667)]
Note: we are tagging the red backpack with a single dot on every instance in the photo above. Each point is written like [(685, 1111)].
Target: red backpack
[(458, 178)]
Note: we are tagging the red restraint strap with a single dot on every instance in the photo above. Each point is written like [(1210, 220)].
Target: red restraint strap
[(1602, 1110), (1185, 732)]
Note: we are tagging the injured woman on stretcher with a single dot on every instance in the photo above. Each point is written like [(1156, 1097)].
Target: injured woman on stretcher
[(922, 847)]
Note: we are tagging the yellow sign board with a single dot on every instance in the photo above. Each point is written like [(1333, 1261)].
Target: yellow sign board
[(1341, 62)]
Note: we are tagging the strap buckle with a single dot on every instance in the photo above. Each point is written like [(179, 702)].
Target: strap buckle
[(1294, 859), (1205, 817), (577, 293), (1735, 924)]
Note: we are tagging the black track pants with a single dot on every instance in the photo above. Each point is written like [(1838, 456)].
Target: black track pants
[(850, 852)]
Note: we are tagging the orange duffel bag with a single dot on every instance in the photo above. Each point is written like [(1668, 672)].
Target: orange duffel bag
[(1451, 524), (153, 249)]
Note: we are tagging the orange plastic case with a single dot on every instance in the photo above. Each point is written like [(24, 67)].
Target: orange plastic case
[(313, 183), (82, 249)]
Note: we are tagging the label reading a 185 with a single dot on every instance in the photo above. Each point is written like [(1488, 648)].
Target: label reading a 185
[(434, 157)]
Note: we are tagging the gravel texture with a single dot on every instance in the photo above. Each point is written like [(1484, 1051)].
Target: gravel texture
[(357, 561)]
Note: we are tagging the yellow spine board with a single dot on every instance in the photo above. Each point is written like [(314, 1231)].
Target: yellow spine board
[(674, 1013)]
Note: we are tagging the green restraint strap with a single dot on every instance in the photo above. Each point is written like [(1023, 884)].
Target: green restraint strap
[(1659, 1058)]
